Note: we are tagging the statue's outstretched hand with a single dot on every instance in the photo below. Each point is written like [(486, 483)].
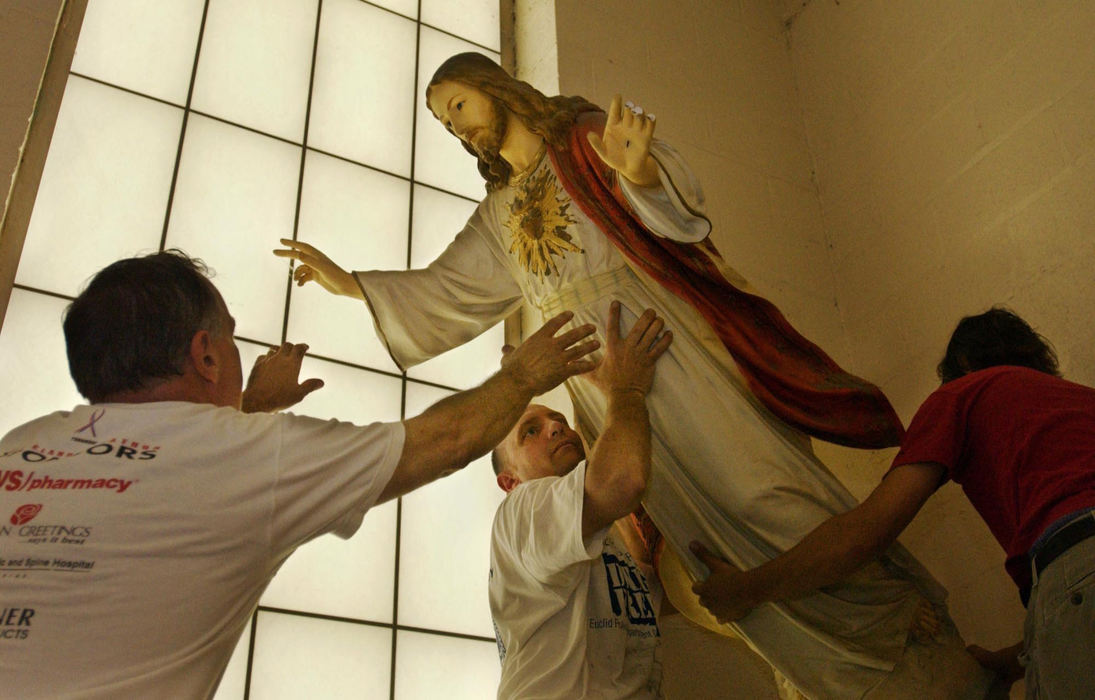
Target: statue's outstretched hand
[(314, 266), (625, 144)]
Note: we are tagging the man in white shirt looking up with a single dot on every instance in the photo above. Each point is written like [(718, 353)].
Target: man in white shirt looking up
[(140, 531), (571, 609)]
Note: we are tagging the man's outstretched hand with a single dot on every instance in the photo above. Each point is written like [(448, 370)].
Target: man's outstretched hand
[(545, 359), (724, 592), (273, 384), (628, 363), (1003, 662)]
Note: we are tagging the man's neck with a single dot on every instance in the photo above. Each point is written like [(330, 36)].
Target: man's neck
[(521, 146), (175, 388)]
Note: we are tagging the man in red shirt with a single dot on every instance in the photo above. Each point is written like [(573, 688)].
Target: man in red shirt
[(1021, 442)]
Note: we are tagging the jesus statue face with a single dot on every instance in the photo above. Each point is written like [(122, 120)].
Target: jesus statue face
[(470, 115)]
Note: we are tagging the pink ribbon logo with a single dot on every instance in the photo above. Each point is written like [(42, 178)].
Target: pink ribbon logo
[(91, 423)]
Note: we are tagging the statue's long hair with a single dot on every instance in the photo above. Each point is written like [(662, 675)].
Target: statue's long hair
[(550, 117)]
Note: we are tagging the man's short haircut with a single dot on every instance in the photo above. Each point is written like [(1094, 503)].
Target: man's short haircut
[(133, 323), (996, 337)]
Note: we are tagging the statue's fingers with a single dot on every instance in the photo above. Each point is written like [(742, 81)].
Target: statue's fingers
[(598, 146), (627, 119), (298, 245), (615, 110)]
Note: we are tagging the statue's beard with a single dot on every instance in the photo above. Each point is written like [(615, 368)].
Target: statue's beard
[(488, 141)]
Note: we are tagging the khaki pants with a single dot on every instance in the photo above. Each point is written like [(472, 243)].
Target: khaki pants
[(1059, 639)]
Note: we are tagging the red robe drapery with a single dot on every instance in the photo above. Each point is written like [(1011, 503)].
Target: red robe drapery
[(790, 375)]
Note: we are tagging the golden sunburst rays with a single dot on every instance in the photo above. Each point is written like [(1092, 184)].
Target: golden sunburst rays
[(538, 225)]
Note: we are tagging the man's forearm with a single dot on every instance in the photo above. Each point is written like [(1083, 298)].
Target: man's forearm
[(841, 545), (466, 425), (456, 430), (829, 554), (619, 465)]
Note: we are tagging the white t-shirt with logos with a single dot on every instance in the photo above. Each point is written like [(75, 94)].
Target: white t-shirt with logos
[(573, 618), (136, 539)]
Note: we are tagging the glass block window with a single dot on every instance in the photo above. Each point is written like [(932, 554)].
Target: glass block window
[(218, 127)]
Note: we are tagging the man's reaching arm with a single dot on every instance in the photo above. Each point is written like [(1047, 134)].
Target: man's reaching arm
[(619, 464), (829, 554), (464, 426)]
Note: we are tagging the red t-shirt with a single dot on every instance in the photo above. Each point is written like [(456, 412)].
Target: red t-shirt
[(1021, 443)]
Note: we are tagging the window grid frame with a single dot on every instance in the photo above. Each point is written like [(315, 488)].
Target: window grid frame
[(187, 110)]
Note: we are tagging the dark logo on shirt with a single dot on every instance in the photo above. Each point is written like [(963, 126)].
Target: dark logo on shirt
[(25, 513), (15, 623), (627, 590)]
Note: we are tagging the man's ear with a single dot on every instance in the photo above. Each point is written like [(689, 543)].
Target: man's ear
[(204, 357), (508, 481)]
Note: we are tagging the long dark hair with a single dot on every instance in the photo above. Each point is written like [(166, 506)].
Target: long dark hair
[(550, 117), (133, 323), (996, 337)]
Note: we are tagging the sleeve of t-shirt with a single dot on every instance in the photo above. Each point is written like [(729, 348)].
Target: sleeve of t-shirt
[(936, 434), (329, 473), (543, 526)]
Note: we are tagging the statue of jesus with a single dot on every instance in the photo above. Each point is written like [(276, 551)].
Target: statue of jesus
[(585, 207)]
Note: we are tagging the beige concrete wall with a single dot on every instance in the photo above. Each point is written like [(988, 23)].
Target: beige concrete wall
[(718, 76), (536, 51), (954, 145), (880, 168)]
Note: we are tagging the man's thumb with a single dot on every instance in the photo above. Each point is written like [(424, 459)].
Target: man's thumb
[(703, 553)]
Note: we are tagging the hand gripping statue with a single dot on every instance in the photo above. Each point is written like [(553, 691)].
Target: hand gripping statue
[(583, 208)]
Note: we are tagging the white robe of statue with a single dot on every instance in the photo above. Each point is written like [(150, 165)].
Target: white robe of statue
[(725, 470)]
